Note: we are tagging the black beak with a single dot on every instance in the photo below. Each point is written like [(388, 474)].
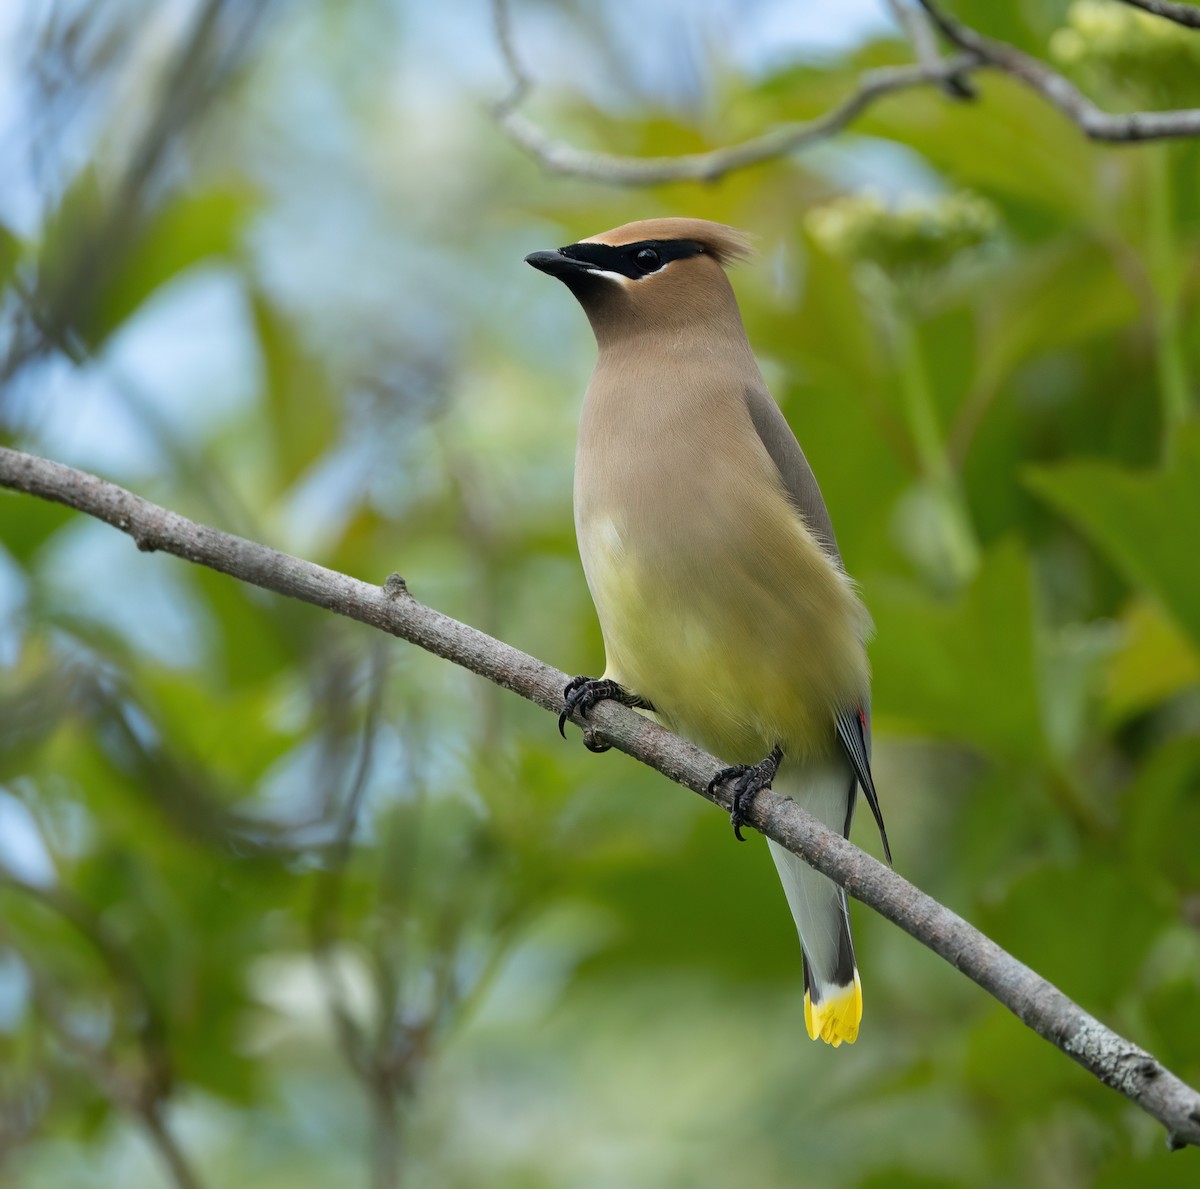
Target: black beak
[(556, 264)]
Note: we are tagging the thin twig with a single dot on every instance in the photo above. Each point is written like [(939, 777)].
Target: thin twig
[(144, 1096), (386, 1073), (916, 27), (325, 919), (385, 1137), (521, 83), (164, 1139), (149, 1023), (557, 156), (218, 41), (1115, 1061), (560, 157), (1169, 10), (952, 74), (1096, 124)]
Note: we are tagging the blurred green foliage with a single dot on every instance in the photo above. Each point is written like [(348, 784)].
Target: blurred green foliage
[(1128, 51), (526, 965)]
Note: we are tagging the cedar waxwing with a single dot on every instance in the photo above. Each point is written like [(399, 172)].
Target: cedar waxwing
[(712, 562)]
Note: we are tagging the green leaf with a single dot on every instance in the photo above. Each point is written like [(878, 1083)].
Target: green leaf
[(10, 253), (299, 398), (1063, 293), (191, 228), (27, 523), (1171, 1012), (68, 229), (1007, 146), (1154, 662), (1011, 1069), (963, 668), (259, 634), (1162, 815), (1156, 1167), (1085, 927), (1137, 519)]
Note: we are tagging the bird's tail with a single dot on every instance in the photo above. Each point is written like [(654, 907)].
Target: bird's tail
[(832, 993)]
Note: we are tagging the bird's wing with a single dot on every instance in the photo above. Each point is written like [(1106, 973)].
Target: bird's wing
[(854, 731), (800, 484), (798, 480)]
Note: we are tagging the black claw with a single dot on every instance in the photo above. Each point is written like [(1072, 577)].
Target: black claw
[(572, 693), (582, 693), (748, 780), (743, 794), (736, 772)]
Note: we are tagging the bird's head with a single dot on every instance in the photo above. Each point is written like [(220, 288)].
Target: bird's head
[(653, 275)]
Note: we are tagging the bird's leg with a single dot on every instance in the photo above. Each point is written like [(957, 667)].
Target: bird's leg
[(748, 779), (582, 693)]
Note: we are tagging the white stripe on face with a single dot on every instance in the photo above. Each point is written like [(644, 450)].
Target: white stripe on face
[(623, 279), (612, 276)]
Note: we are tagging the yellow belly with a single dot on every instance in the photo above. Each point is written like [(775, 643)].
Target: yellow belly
[(739, 648)]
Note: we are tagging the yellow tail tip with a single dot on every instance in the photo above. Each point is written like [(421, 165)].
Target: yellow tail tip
[(836, 1017)]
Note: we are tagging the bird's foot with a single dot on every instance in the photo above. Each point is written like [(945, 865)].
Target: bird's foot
[(582, 693), (748, 779)]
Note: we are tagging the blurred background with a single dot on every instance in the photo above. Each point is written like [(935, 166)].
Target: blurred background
[(286, 902)]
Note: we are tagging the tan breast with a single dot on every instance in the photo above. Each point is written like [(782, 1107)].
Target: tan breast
[(714, 600)]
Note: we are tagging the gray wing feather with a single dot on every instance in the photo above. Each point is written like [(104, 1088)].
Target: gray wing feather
[(854, 728), (798, 480)]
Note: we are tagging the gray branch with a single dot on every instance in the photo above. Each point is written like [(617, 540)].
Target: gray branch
[(1115, 1061), (145, 1094), (560, 157), (1095, 123), (950, 74), (1169, 10), (918, 28)]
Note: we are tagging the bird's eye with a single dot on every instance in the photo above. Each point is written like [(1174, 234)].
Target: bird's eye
[(647, 260)]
